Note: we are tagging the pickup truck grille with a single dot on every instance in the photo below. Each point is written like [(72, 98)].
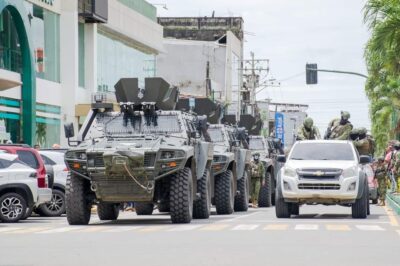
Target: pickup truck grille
[(322, 174), (319, 186)]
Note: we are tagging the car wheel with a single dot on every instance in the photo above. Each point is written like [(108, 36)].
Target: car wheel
[(12, 207), (56, 207), (282, 208), (359, 209), (265, 197)]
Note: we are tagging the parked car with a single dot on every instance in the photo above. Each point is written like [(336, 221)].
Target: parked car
[(20, 189), (55, 159), (372, 183), (322, 172)]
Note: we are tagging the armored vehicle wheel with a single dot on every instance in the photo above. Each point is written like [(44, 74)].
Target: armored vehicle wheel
[(282, 208), (107, 211), (163, 206), (359, 209), (242, 199), (144, 208), (264, 197), (294, 209), (181, 196), (202, 206), (224, 193), (78, 207)]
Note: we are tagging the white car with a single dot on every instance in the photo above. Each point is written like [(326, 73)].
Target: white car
[(322, 172), (19, 189), (56, 207)]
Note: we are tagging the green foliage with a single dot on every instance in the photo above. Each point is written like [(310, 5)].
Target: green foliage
[(382, 55)]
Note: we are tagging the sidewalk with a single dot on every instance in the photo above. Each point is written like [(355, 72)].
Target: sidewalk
[(393, 200)]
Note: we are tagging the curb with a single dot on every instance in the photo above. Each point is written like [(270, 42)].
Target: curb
[(393, 203)]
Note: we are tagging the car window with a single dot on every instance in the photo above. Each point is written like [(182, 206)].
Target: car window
[(47, 160), (4, 163), (322, 151), (15, 164), (29, 158)]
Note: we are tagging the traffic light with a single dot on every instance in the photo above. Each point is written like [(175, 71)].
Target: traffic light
[(311, 74)]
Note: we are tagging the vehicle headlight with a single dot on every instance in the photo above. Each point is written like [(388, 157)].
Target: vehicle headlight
[(349, 172), (289, 172), (165, 155)]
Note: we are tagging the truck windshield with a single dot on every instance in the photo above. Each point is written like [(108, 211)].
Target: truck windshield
[(115, 125), (256, 144), (322, 151), (216, 135)]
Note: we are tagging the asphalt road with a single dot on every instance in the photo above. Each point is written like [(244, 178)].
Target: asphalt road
[(319, 236)]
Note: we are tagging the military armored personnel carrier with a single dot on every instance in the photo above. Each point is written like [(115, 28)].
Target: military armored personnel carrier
[(146, 153), (230, 168), (268, 153)]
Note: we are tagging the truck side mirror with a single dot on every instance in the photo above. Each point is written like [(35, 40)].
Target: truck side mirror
[(281, 158), (69, 130), (364, 159)]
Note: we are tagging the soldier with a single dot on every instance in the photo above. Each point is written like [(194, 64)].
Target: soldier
[(339, 128), (396, 167), (381, 177), (257, 174), (362, 144), (354, 135), (308, 131)]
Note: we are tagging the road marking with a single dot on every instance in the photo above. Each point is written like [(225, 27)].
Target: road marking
[(61, 230), (184, 228), (7, 229), (337, 227), (29, 230), (392, 216), (276, 227), (370, 228), (240, 217), (91, 229), (122, 229), (306, 227), (214, 227), (152, 228), (245, 227)]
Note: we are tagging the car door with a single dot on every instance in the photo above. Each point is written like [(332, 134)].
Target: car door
[(3, 172)]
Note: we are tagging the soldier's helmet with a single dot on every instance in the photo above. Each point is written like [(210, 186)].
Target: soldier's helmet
[(355, 131), (345, 115), (362, 131), (396, 145), (308, 123), (256, 156), (381, 159)]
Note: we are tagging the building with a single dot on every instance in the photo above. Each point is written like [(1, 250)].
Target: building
[(55, 54), (203, 57)]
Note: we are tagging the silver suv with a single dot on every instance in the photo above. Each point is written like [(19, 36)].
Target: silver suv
[(322, 172)]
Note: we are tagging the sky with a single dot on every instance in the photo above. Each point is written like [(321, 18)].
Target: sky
[(291, 33)]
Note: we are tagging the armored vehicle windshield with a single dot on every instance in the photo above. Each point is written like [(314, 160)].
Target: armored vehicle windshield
[(216, 134), (256, 144)]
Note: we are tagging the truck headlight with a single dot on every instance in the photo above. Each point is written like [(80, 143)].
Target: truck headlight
[(166, 155), (289, 172), (349, 172)]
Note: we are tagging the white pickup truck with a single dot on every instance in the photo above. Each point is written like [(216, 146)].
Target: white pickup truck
[(322, 172)]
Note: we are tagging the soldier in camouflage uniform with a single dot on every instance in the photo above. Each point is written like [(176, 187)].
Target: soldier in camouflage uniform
[(308, 131), (381, 177), (257, 174), (363, 144), (340, 128), (396, 166)]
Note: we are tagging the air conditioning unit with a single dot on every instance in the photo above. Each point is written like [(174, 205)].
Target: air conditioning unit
[(93, 11)]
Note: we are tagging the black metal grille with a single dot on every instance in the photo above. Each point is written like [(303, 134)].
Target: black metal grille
[(149, 159), (319, 186), (325, 174), (95, 160)]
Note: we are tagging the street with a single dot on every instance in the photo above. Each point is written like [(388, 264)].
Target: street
[(321, 235)]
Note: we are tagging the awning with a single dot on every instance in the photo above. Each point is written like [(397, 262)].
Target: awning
[(9, 80)]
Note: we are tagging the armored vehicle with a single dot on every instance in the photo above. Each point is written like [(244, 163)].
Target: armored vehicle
[(146, 153), (230, 168), (268, 153)]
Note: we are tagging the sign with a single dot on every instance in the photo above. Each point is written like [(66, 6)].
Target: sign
[(279, 127), (52, 5)]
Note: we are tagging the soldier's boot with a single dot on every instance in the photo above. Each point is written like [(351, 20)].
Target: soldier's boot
[(383, 203), (254, 203)]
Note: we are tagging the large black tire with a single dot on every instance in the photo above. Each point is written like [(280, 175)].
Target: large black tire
[(202, 206), (282, 208), (294, 208), (181, 196), (107, 211), (242, 199), (264, 196), (28, 213), (12, 207), (56, 207), (77, 206), (224, 193), (359, 209), (163, 206), (144, 208)]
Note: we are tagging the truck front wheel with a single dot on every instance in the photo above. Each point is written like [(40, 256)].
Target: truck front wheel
[(77, 206), (181, 196)]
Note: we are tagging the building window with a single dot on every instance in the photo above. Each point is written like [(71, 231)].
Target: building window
[(10, 48), (81, 31), (45, 31), (47, 131), (116, 59)]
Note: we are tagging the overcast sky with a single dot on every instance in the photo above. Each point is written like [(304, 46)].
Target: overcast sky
[(293, 32)]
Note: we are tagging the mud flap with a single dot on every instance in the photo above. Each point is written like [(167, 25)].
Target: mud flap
[(242, 158), (203, 154)]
